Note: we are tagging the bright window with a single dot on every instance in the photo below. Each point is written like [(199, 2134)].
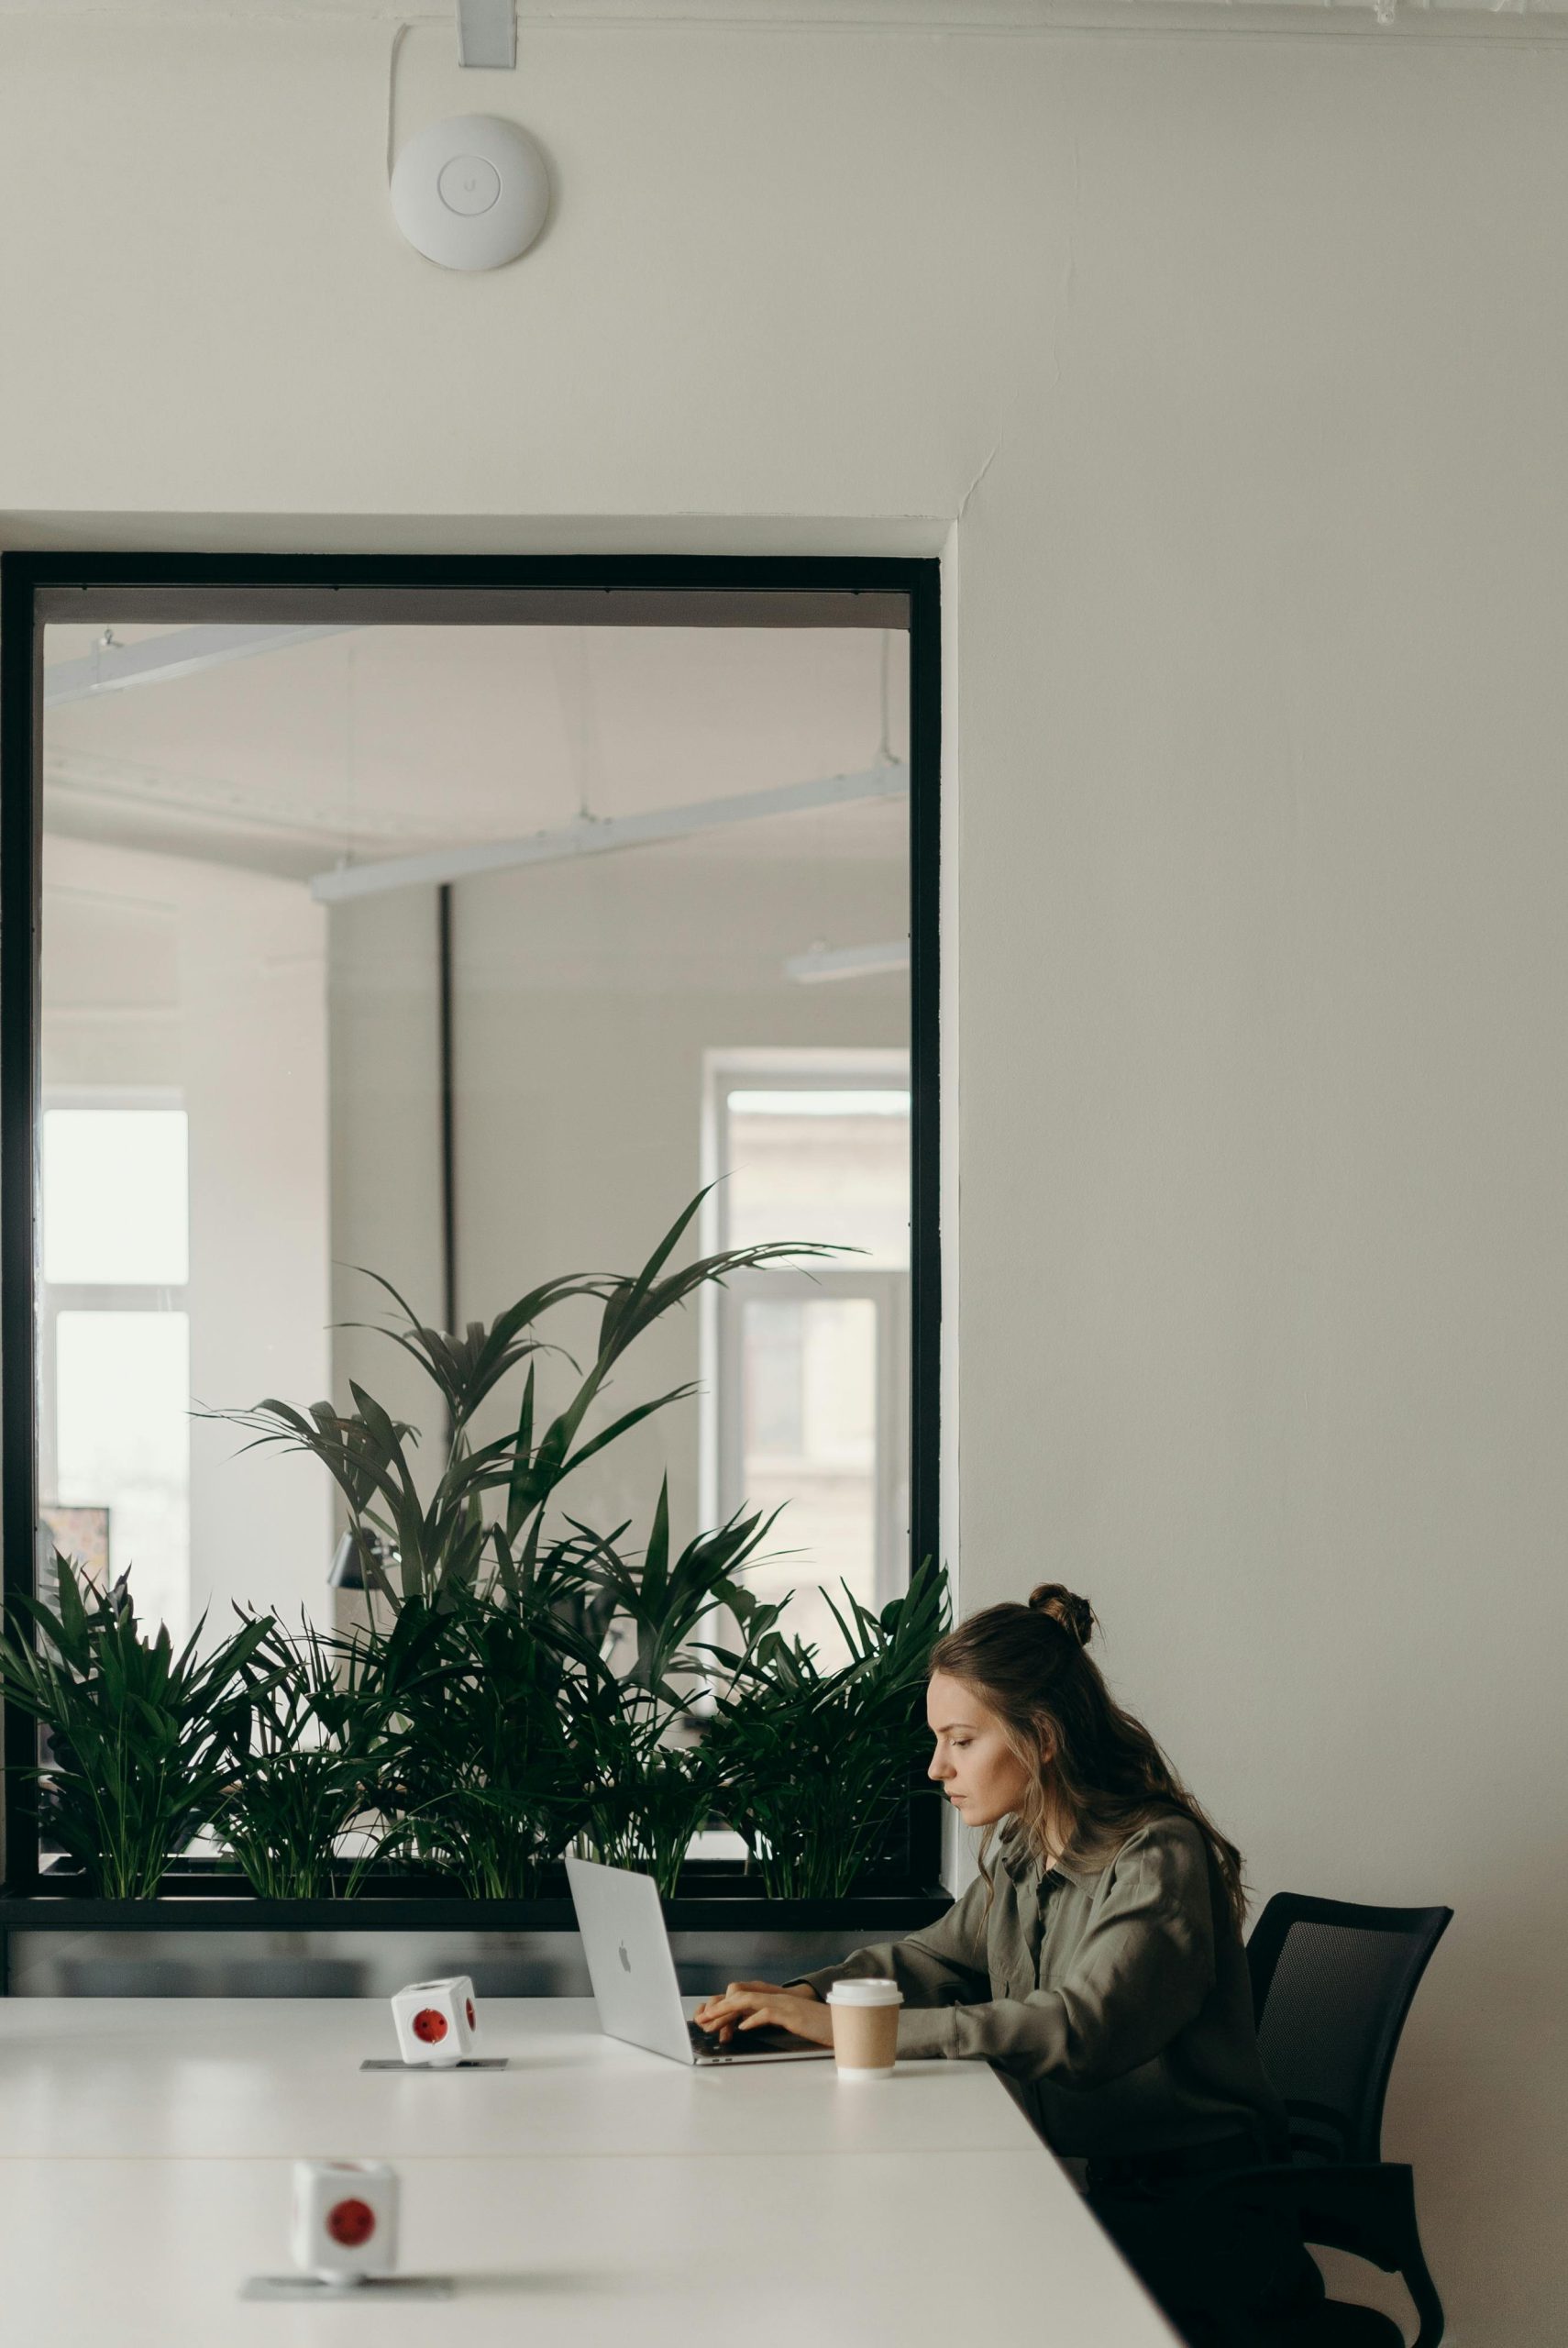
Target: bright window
[(123, 1435), (115, 1205), (831, 1165), (114, 1345), (810, 1368)]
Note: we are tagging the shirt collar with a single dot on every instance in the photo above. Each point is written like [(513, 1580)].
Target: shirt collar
[(1077, 1867)]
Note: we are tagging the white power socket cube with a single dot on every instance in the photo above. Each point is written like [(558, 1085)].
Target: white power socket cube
[(344, 2219), (437, 2022)]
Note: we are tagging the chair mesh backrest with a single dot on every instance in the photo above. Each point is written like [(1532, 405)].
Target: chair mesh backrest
[(1331, 1986)]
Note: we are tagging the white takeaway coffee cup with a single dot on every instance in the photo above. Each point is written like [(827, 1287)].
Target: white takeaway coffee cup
[(864, 2028)]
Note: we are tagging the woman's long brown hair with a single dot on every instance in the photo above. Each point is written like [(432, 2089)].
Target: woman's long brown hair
[(1104, 1776)]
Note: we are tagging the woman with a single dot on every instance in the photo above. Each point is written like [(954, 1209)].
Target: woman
[(1097, 1962)]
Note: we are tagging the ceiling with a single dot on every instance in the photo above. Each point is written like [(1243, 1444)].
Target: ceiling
[(386, 741)]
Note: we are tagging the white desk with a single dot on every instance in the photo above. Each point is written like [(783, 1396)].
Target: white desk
[(588, 2194)]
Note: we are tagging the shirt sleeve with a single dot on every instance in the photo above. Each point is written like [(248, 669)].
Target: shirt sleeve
[(944, 1961), (1141, 1972)]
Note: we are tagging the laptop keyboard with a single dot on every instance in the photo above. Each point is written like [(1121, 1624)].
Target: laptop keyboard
[(768, 2040)]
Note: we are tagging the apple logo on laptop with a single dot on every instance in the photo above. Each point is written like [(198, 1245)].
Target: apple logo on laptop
[(625, 1960)]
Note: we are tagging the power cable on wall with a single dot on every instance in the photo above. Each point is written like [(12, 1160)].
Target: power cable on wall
[(398, 37)]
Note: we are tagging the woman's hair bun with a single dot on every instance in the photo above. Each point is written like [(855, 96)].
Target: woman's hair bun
[(1065, 1606)]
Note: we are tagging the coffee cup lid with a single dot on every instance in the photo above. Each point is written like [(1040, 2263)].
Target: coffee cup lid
[(865, 1993)]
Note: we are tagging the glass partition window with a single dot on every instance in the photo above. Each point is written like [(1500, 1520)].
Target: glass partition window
[(338, 977)]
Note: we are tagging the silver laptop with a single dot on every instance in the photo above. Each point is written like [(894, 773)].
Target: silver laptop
[(632, 1973)]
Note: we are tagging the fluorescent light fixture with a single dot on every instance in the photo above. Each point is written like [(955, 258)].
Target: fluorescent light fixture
[(598, 835), (886, 1100), (823, 962), (110, 667)]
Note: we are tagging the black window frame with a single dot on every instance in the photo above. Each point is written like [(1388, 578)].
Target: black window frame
[(26, 577)]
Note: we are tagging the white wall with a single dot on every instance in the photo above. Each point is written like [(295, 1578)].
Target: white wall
[(1227, 368)]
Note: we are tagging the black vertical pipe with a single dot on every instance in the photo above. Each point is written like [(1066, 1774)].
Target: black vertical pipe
[(448, 1143), (925, 1130)]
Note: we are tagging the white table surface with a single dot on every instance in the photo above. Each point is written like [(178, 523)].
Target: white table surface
[(590, 2192)]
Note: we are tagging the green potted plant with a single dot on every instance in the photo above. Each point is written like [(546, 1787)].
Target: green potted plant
[(460, 1537), (143, 1738), (321, 1724), (486, 1783), (785, 1728), (522, 1739), (524, 1684), (651, 1788)]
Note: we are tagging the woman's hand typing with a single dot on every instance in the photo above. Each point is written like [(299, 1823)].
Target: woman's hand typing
[(747, 2005)]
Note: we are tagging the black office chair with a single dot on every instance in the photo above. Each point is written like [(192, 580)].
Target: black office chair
[(1331, 1986)]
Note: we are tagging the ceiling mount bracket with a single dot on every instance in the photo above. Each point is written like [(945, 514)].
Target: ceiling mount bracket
[(487, 33)]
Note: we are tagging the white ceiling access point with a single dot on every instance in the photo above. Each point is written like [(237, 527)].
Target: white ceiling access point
[(597, 835), (111, 667), (473, 191), (470, 193), (848, 962)]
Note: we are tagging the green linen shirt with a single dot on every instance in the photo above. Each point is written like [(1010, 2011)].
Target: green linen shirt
[(1113, 1995)]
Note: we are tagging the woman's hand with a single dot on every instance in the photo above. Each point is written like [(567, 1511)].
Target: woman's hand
[(747, 2005)]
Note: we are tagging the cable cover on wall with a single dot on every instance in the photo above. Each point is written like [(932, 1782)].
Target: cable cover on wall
[(487, 33)]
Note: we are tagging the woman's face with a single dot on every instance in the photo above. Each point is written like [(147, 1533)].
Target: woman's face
[(974, 1763)]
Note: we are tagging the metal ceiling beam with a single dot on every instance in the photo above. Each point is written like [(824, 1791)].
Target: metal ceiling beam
[(596, 835), (111, 668), (848, 962)]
